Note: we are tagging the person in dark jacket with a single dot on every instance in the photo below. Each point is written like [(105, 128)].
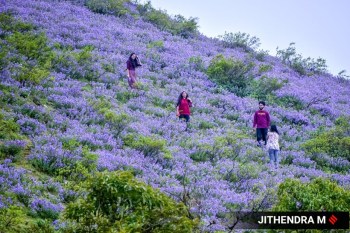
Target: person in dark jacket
[(131, 65), (184, 103), (261, 123)]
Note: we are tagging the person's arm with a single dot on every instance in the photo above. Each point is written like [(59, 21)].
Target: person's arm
[(268, 119), (177, 111), (128, 68), (190, 102), (255, 120), (138, 61)]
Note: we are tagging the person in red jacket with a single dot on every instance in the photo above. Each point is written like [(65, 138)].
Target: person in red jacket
[(261, 123), (184, 103), (132, 63)]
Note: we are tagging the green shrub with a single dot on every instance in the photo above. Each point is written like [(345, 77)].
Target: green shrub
[(3, 54), (12, 144), (183, 27), (13, 149), (36, 114), (79, 64), (264, 68), (70, 143), (233, 75), (335, 142), (197, 63), (265, 86), (239, 39), (303, 66), (32, 45), (289, 102), (329, 143), (160, 18), (28, 48), (80, 170), (12, 219), (41, 226), (232, 117), (261, 54), (115, 201), (117, 122), (166, 104), (228, 146), (101, 105), (9, 96), (148, 145), (317, 195), (9, 24), (9, 129), (201, 156), (158, 44), (114, 7), (29, 73), (205, 125), (244, 172), (177, 25)]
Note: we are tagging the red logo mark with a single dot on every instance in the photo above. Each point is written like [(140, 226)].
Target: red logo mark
[(333, 219)]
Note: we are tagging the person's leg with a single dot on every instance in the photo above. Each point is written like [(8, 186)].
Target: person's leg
[(132, 79), (271, 155), (130, 82), (184, 117), (264, 135), (276, 157), (187, 117), (258, 136)]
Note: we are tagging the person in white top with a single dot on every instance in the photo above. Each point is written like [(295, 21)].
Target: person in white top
[(273, 146)]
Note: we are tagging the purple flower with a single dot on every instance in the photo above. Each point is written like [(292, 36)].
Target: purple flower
[(234, 177), (46, 209)]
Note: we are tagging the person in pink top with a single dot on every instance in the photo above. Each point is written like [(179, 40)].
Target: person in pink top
[(184, 103), (261, 123), (132, 63)]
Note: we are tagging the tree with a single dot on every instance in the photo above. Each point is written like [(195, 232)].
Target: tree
[(117, 202)]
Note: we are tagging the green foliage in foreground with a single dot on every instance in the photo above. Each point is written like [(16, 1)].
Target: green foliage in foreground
[(117, 202), (318, 195)]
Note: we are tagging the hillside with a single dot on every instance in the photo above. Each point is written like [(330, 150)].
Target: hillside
[(67, 103)]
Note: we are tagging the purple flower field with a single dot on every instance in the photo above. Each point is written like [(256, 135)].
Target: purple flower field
[(215, 164)]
